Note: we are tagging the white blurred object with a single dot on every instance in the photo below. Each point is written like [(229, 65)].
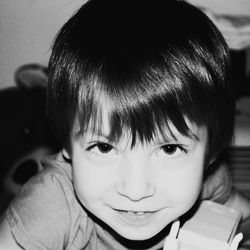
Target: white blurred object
[(171, 242), (212, 227), (232, 17), (236, 30), (225, 7)]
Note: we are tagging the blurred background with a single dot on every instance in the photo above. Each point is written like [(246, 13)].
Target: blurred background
[(27, 29)]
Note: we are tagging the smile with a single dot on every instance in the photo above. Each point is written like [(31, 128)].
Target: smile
[(136, 218)]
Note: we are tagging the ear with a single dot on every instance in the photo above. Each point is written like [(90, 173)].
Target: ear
[(66, 154), (29, 76)]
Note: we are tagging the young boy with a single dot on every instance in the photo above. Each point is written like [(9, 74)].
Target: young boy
[(141, 99)]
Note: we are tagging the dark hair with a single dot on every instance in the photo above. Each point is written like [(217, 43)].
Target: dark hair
[(149, 63)]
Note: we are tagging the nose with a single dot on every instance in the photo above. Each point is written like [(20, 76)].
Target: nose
[(135, 181)]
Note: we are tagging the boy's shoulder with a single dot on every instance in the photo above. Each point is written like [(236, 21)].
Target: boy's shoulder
[(46, 210)]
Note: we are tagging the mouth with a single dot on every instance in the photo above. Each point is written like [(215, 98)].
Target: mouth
[(136, 218)]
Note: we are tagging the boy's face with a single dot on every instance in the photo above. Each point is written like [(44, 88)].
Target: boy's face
[(138, 191)]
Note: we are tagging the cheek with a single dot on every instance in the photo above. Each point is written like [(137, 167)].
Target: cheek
[(90, 181), (189, 187), (183, 184)]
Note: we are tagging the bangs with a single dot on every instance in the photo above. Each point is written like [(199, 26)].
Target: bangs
[(143, 108)]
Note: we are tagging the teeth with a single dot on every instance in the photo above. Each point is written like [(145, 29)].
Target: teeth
[(140, 213), (137, 213), (136, 216)]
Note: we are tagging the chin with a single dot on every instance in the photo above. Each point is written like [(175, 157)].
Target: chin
[(138, 234)]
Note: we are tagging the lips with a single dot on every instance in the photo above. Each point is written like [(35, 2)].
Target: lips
[(136, 217)]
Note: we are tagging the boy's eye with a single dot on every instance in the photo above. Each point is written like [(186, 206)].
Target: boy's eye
[(172, 149), (100, 147)]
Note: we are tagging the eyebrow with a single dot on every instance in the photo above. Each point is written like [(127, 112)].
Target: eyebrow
[(93, 134), (176, 138), (194, 136)]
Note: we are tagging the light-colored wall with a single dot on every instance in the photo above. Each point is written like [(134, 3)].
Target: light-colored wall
[(27, 30)]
